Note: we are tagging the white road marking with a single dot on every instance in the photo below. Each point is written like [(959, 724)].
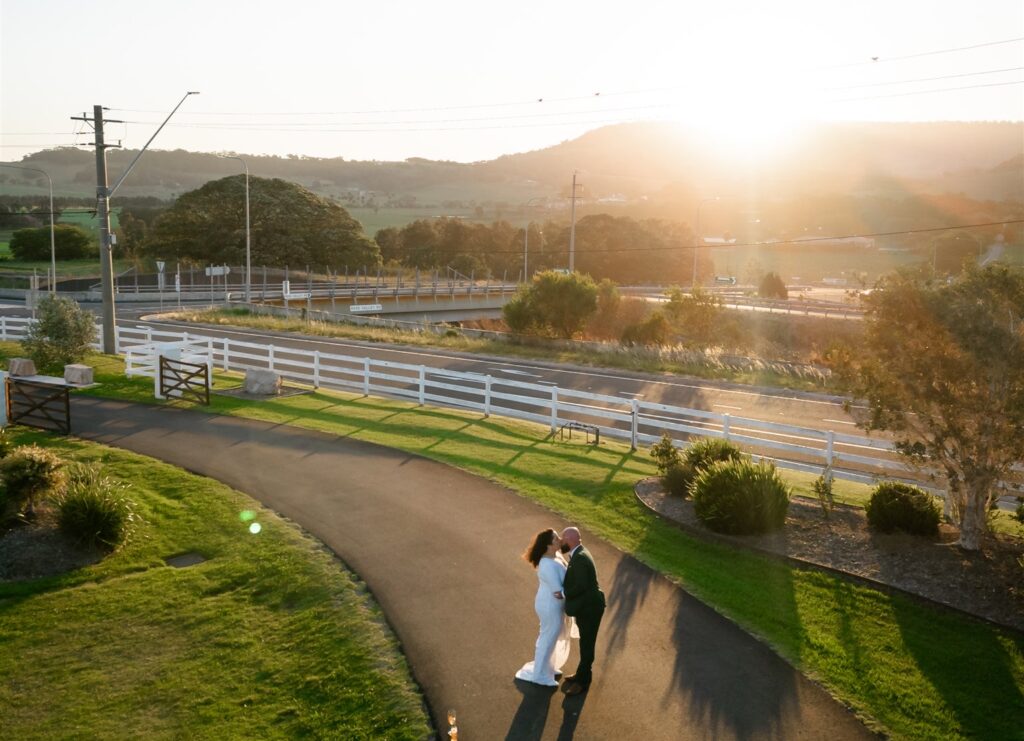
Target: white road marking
[(839, 421), (726, 406), (513, 372)]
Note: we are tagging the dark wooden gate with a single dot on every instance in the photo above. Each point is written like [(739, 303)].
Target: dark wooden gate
[(182, 380), (45, 406)]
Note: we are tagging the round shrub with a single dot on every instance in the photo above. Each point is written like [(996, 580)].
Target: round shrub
[(94, 510), (665, 454), (896, 506), (676, 480), (740, 497), (27, 474), (704, 452)]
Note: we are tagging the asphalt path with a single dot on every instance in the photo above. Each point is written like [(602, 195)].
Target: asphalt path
[(440, 549)]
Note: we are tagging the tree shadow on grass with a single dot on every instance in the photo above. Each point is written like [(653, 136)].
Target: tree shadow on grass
[(969, 665)]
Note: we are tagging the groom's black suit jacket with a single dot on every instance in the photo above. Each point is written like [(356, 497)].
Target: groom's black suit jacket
[(582, 594)]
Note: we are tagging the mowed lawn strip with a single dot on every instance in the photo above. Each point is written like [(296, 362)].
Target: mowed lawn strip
[(269, 638), (914, 671)]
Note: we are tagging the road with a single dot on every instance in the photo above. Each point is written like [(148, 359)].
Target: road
[(816, 411)]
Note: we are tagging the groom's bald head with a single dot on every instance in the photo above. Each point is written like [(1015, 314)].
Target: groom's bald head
[(571, 537)]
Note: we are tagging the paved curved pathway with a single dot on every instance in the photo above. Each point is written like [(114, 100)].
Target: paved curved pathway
[(440, 548)]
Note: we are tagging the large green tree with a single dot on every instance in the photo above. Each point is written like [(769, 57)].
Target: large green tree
[(943, 367), (290, 225)]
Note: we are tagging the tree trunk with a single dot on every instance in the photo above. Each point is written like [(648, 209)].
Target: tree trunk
[(974, 523)]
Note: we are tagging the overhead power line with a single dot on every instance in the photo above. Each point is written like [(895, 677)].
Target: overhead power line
[(571, 98)]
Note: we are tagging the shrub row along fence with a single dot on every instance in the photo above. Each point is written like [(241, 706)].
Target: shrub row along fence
[(850, 457)]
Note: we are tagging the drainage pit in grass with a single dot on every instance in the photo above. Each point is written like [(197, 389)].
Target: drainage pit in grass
[(184, 560)]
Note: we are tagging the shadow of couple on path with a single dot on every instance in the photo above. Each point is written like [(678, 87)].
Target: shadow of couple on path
[(532, 714)]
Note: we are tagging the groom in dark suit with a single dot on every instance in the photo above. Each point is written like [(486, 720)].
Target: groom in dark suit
[(584, 601)]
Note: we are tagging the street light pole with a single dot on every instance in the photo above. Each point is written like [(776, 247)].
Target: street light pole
[(248, 240), (53, 242), (526, 240), (699, 238), (572, 228)]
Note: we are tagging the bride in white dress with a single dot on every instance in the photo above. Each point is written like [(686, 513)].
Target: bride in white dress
[(552, 648)]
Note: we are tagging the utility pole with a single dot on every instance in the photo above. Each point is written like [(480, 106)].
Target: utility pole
[(103, 194), (103, 214), (572, 228)]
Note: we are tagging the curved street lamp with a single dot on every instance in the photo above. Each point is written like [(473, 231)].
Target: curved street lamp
[(53, 243), (248, 241)]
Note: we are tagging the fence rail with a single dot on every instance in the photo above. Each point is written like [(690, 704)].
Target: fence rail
[(851, 457)]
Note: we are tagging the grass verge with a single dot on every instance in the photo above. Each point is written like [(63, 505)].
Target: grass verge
[(905, 667), (269, 638)]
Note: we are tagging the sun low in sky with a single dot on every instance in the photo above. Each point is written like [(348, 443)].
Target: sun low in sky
[(396, 79)]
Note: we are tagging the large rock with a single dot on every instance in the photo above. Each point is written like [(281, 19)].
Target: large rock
[(77, 374), (21, 367), (262, 382)]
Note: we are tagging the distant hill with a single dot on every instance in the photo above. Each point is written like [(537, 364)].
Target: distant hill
[(631, 165)]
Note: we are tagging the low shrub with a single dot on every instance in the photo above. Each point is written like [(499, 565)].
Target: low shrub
[(739, 497), (94, 510), (665, 454), (676, 480), (701, 454), (28, 473), (897, 506)]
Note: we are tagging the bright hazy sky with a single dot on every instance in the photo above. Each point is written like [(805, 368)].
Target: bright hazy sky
[(460, 80)]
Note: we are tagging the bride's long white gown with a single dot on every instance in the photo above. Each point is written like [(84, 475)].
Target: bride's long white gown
[(552, 648)]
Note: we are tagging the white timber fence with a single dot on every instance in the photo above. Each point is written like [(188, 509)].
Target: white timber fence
[(815, 451)]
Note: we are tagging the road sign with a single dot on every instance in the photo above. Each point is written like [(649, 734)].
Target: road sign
[(725, 280), (365, 308), (160, 266), (218, 270)]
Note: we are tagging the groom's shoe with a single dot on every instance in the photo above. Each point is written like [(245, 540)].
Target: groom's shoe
[(568, 680), (575, 688)]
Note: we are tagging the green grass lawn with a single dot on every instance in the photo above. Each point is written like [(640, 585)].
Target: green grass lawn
[(906, 668), (269, 638), (915, 671)]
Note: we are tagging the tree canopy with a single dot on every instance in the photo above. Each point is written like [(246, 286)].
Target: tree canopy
[(70, 243), (943, 367), (289, 225), (554, 303)]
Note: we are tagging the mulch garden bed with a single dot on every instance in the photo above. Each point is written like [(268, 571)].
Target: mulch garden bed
[(988, 583)]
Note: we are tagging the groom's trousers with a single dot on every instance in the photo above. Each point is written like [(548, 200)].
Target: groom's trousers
[(588, 624)]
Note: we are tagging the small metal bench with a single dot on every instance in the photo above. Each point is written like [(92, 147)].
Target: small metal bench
[(588, 430)]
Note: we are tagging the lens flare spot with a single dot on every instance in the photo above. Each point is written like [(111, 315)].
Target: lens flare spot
[(255, 528), (246, 515)]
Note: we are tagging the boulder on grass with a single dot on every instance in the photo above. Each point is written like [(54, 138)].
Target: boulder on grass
[(22, 367), (77, 374), (262, 382)]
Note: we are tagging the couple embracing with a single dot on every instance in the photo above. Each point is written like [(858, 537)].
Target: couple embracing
[(569, 603)]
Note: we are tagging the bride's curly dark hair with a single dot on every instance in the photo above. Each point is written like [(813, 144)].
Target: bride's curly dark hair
[(541, 542)]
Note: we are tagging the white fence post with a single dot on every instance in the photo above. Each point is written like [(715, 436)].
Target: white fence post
[(3, 328), (270, 357), (149, 335), (316, 369), (117, 340), (128, 364), (725, 426), (830, 437), (423, 385), (156, 378), (227, 352), (554, 409), (634, 426), (366, 376), (487, 396)]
